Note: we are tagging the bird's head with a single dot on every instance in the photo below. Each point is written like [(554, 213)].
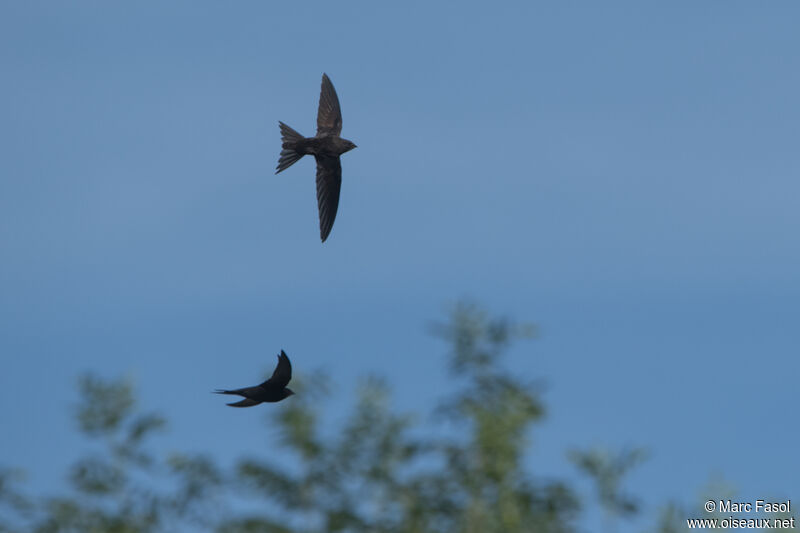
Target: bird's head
[(287, 392), (348, 145)]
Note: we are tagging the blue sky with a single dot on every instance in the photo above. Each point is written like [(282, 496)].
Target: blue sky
[(624, 175)]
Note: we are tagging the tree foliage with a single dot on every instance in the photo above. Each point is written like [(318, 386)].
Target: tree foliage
[(379, 471)]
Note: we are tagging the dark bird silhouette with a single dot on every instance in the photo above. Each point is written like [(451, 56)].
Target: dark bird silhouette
[(326, 147), (272, 390)]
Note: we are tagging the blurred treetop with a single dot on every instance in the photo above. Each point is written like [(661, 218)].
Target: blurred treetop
[(380, 471)]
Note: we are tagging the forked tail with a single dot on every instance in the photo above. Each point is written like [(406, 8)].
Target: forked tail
[(289, 155)]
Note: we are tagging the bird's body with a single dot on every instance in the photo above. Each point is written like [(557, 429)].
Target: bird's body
[(272, 390), (326, 147)]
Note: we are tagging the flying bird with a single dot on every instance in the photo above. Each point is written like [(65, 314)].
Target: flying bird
[(326, 147), (272, 390)]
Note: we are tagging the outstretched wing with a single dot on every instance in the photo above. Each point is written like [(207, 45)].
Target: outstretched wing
[(329, 115), (247, 402), (282, 374), (329, 183)]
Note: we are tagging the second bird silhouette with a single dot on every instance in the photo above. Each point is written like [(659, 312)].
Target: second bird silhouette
[(326, 147), (272, 390)]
